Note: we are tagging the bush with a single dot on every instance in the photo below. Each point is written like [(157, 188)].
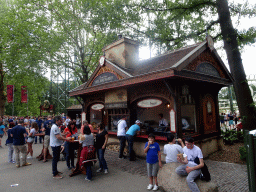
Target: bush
[(243, 153), (231, 136)]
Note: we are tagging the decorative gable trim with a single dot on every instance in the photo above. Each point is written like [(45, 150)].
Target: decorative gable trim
[(206, 57), (102, 70)]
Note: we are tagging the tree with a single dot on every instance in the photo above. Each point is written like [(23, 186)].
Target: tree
[(22, 57), (243, 94), (85, 26), (198, 17)]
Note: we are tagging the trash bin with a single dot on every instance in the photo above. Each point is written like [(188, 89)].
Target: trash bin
[(250, 145)]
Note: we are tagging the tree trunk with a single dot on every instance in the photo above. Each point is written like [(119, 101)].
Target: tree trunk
[(2, 96), (243, 94)]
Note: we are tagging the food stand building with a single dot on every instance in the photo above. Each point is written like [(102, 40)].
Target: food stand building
[(182, 84)]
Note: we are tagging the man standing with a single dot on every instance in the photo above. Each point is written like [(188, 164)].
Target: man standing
[(47, 130), (39, 123), (130, 134), (56, 142), (19, 133), (191, 169), (121, 128)]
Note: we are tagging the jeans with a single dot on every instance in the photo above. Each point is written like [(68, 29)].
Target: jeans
[(122, 141), (89, 172), (11, 155), (23, 150), (102, 161), (70, 154), (181, 170), (55, 159), (130, 140)]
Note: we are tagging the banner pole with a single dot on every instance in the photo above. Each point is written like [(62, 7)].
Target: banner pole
[(13, 102), (27, 101)]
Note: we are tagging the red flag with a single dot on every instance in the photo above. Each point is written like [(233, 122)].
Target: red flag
[(24, 95), (10, 91)]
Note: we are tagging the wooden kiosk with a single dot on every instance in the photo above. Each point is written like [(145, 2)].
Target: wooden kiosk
[(182, 84)]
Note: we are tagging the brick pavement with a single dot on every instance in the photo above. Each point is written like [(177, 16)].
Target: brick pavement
[(230, 177)]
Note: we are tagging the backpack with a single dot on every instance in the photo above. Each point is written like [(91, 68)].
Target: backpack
[(205, 174)]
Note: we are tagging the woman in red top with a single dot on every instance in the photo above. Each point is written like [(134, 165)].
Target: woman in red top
[(69, 149)]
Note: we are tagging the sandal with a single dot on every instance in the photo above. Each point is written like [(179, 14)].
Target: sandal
[(45, 160)]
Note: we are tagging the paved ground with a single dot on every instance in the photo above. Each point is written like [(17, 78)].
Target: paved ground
[(230, 177), (123, 176)]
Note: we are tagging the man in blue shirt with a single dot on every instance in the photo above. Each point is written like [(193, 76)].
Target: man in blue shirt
[(130, 134), (39, 122), (19, 133)]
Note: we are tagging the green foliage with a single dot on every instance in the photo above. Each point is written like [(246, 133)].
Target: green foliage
[(243, 153), (232, 136)]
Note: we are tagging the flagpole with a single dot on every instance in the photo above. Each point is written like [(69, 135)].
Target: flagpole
[(27, 101), (13, 102)]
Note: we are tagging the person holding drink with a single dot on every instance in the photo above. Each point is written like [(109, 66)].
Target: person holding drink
[(69, 149)]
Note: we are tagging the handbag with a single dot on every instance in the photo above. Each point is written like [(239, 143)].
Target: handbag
[(205, 174)]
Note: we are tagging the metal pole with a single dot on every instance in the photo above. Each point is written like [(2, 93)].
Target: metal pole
[(27, 101), (13, 103)]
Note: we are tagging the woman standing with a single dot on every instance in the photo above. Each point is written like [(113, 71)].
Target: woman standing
[(69, 149), (31, 137), (88, 152), (101, 142), (9, 143)]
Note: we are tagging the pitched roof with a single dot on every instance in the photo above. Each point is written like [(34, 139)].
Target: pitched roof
[(164, 61), (162, 66)]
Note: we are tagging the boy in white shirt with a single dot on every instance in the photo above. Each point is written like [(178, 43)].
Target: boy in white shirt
[(189, 168), (171, 149)]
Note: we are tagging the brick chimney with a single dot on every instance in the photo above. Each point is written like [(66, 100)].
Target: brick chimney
[(123, 52)]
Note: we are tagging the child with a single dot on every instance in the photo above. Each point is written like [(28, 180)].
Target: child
[(153, 161), (171, 149)]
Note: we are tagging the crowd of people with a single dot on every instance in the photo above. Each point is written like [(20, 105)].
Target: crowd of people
[(229, 120), (60, 133)]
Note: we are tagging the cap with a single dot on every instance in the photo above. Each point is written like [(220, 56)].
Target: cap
[(137, 121)]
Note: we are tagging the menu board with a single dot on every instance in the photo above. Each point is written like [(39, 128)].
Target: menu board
[(172, 121), (83, 116)]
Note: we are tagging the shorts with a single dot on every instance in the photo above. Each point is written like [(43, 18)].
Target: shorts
[(1, 135), (30, 140), (231, 122), (46, 141), (221, 121), (152, 169)]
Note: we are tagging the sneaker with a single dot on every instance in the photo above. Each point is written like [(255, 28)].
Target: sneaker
[(99, 170), (30, 157), (155, 188), (86, 179), (105, 171), (150, 186), (57, 176)]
